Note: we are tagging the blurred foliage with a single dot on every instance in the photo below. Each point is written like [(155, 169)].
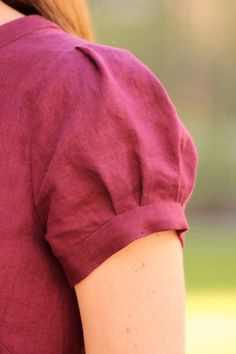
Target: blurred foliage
[(189, 45), (209, 257)]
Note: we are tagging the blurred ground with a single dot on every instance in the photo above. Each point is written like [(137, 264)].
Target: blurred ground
[(211, 322)]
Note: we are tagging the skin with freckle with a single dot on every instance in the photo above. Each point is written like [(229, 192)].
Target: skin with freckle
[(140, 319)]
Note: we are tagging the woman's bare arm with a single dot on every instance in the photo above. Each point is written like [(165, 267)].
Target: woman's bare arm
[(134, 302)]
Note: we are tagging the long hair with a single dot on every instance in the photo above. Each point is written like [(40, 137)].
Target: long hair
[(72, 16)]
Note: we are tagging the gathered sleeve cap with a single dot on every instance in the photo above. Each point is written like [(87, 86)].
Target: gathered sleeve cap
[(111, 160)]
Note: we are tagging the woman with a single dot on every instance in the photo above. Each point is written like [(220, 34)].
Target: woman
[(96, 171)]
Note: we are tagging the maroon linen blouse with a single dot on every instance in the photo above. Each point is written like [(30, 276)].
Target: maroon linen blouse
[(93, 156)]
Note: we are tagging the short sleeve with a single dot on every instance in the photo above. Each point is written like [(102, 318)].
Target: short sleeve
[(111, 160)]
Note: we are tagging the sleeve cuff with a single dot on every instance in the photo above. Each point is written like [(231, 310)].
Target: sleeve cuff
[(118, 232)]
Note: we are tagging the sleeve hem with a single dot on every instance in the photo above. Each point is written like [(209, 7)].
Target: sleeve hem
[(118, 232)]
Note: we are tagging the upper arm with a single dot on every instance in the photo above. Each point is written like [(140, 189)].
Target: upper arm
[(133, 302)]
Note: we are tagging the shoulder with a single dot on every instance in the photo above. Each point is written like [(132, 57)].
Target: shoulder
[(93, 85), (64, 47), (97, 84), (67, 61)]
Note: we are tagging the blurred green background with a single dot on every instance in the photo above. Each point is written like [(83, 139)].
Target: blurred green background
[(190, 46)]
